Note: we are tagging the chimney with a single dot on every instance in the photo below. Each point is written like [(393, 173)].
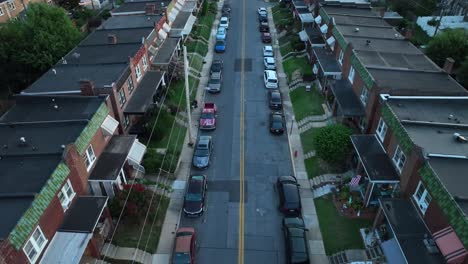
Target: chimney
[(150, 9), (408, 33), (448, 65), (87, 87), (112, 39)]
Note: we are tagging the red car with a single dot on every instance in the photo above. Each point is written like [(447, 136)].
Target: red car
[(184, 246), (266, 37), (208, 117)]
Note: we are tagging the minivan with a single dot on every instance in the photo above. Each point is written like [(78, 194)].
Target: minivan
[(270, 79)]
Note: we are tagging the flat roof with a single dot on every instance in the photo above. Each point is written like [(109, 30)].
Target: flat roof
[(409, 230), (181, 20), (112, 158), (395, 60), (100, 54), (315, 36), (166, 51), (13, 209), (30, 108), (349, 104), (143, 96), (401, 46), (83, 214), (369, 31), (123, 36), (408, 82), (359, 20), (327, 60), (336, 10), (65, 78), (135, 21), (374, 158), (129, 6)]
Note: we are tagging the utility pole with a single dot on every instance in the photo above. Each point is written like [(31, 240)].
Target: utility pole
[(187, 96), (440, 19)]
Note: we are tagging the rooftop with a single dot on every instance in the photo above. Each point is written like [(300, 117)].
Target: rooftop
[(327, 61), (181, 20), (351, 11), (348, 103), (166, 51), (369, 31), (123, 36), (143, 96), (102, 54), (15, 206), (84, 214), (359, 20), (140, 6), (394, 60), (383, 45), (127, 22)]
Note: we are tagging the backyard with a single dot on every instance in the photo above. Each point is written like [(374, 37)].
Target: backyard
[(306, 103), (338, 232)]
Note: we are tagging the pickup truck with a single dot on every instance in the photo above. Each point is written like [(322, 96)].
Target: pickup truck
[(208, 117)]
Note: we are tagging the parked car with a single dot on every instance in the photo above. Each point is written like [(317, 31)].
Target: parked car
[(277, 124), (262, 19), (266, 37), (226, 13), (221, 33), (194, 200), (268, 51), (295, 238), (220, 46), (289, 197), (270, 79), (208, 117), (226, 8), (184, 246), (263, 27), (275, 100), (224, 22), (214, 84), (269, 63), (216, 66), (262, 11), (202, 153)]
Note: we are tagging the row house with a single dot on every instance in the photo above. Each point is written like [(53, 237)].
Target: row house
[(54, 144), (11, 9), (423, 142)]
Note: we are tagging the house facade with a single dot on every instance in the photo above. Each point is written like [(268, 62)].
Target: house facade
[(11, 9)]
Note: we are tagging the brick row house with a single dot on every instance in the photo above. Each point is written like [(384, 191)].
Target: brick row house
[(51, 148), (11, 9), (412, 153)]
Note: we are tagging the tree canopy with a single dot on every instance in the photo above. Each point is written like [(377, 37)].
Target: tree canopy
[(30, 46), (332, 143), (450, 43)]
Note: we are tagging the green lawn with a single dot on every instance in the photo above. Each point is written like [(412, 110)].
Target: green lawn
[(128, 231), (306, 103), (195, 62), (339, 233), (286, 49), (292, 64), (314, 167), (197, 46), (307, 140)]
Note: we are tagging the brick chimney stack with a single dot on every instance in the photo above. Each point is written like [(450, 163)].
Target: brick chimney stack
[(150, 9), (87, 87), (448, 65), (112, 39)]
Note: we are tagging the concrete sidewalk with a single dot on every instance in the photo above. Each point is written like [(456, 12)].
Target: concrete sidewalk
[(317, 250)]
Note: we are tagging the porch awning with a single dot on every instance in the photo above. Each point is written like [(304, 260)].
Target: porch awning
[(327, 61), (318, 19), (306, 18), (315, 36), (137, 151), (303, 35), (331, 41), (84, 214), (189, 25), (162, 34), (112, 159), (66, 247), (410, 232), (349, 104), (392, 252), (109, 125), (450, 245), (166, 27), (375, 161), (143, 96), (324, 28), (166, 51)]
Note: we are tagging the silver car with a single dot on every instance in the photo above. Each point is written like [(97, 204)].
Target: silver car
[(269, 63), (214, 84)]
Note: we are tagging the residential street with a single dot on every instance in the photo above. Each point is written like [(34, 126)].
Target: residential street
[(266, 156)]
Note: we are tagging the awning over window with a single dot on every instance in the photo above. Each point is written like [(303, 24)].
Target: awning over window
[(306, 18), (327, 61), (348, 103), (324, 28), (173, 14), (331, 41), (166, 27), (109, 125), (303, 35), (178, 6), (318, 19), (162, 34), (137, 151), (143, 97), (450, 245)]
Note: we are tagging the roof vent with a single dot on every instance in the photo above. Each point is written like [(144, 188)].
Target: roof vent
[(62, 146), (397, 35), (5, 146), (75, 55), (64, 61), (22, 141), (368, 42), (34, 148), (54, 71), (356, 29), (56, 107), (450, 117), (459, 138)]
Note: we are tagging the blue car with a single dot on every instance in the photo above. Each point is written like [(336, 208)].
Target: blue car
[(220, 46), (221, 34)]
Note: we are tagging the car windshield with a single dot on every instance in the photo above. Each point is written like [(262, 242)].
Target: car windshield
[(220, 31), (215, 81), (219, 43), (193, 197), (181, 258), (275, 99), (207, 115), (201, 152), (272, 80)]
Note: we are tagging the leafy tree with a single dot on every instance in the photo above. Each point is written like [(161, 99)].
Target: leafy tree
[(332, 143), (462, 73), (450, 43), (30, 46)]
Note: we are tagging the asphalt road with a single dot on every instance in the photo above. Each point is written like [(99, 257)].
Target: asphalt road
[(266, 156)]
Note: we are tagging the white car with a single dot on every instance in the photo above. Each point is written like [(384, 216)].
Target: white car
[(270, 79), (224, 22), (269, 63), (268, 51), (262, 11)]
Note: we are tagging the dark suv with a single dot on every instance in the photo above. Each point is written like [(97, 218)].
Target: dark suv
[(194, 200), (295, 238), (274, 97), (289, 197)]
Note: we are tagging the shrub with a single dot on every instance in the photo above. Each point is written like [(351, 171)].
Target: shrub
[(332, 143)]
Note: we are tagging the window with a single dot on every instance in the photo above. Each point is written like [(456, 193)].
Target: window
[(399, 158), (130, 85), (422, 197), (66, 195), (351, 75), (340, 59), (126, 121), (11, 5), (364, 96), (145, 63), (122, 98), (138, 72), (363, 124), (1, 11), (381, 130), (35, 245), (89, 157)]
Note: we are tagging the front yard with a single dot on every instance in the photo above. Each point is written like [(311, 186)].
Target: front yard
[(292, 64), (338, 232), (306, 103)]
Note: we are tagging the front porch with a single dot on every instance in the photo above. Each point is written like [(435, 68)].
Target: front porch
[(343, 103)]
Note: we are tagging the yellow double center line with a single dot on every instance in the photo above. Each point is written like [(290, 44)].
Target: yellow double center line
[(240, 255)]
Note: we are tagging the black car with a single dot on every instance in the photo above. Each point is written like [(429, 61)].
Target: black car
[(262, 19), (275, 99), (202, 152), (264, 27), (216, 66), (277, 124), (289, 197), (297, 249), (266, 37), (194, 200)]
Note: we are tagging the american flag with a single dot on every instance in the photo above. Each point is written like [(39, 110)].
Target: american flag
[(355, 180)]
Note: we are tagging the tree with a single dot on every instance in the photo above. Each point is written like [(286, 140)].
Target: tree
[(450, 43), (462, 73), (332, 143), (30, 46)]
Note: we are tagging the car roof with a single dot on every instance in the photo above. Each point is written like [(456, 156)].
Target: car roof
[(267, 47), (266, 34), (270, 59), (275, 94), (216, 75), (205, 138), (290, 193), (195, 184), (224, 18), (182, 243)]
